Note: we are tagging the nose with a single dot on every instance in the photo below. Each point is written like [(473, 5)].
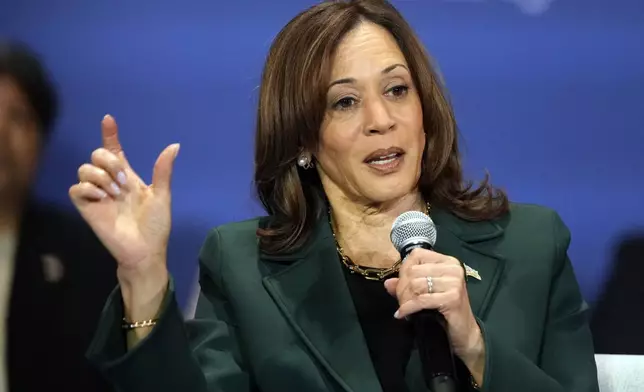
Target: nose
[(378, 117)]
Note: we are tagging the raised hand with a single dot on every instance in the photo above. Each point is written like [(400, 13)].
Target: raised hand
[(131, 218)]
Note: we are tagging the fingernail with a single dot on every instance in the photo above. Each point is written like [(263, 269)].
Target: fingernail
[(176, 151), (100, 194), (121, 178), (397, 314), (115, 188), (105, 117)]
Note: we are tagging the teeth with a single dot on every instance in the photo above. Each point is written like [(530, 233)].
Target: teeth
[(384, 161), (385, 158)]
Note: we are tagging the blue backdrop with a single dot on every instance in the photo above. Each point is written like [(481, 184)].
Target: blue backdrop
[(549, 95)]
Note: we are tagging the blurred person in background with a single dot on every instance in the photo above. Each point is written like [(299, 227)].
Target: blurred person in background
[(617, 329), (54, 274)]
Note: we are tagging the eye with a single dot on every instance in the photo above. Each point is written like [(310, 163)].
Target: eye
[(398, 91), (344, 103)]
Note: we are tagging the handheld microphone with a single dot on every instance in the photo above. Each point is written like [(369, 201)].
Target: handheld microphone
[(414, 229)]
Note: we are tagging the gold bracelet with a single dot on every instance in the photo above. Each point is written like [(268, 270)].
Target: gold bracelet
[(138, 324)]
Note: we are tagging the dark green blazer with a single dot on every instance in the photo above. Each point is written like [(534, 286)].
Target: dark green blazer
[(287, 323)]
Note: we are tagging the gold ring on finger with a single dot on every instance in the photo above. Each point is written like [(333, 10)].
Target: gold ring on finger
[(430, 285)]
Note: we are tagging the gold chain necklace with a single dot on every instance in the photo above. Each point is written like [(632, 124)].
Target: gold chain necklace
[(368, 273)]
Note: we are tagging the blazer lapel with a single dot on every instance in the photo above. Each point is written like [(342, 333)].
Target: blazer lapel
[(311, 292), (313, 296), (471, 243)]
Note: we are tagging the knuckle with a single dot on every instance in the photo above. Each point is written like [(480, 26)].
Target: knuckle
[(416, 255), (426, 302), (419, 270), (91, 173), (98, 154), (104, 158), (400, 295), (454, 270), (417, 287), (419, 253), (84, 169), (414, 252), (102, 177), (409, 294)]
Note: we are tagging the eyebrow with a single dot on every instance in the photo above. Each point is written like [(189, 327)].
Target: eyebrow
[(383, 72)]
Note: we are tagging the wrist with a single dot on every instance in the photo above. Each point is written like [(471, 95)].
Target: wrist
[(148, 272), (143, 292), (474, 355), (476, 347)]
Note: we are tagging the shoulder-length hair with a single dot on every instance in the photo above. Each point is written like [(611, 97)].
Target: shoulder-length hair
[(292, 105)]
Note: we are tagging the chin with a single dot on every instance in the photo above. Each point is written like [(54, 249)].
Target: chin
[(384, 190)]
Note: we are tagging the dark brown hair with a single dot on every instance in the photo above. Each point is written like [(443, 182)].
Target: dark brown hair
[(292, 105), (25, 68)]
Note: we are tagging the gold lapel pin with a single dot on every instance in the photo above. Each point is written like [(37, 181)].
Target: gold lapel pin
[(469, 271)]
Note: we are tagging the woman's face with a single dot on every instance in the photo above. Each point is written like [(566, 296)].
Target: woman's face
[(372, 137)]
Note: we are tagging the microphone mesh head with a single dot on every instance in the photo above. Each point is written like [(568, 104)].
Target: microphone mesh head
[(412, 225)]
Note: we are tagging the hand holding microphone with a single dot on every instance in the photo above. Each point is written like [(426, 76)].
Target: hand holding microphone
[(430, 281), (448, 296)]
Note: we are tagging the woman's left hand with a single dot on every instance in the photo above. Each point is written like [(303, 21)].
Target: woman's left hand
[(448, 295)]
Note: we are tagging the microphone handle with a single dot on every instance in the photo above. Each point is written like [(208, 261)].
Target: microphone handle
[(434, 347), (435, 351)]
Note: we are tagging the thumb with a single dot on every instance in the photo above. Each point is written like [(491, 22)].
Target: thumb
[(162, 173), (391, 285)]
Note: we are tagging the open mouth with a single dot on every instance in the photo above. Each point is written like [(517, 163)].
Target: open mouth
[(385, 161)]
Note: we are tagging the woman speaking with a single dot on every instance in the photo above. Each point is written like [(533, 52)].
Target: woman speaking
[(353, 129)]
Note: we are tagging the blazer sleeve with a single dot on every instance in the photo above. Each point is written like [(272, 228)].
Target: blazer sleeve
[(200, 355), (567, 362)]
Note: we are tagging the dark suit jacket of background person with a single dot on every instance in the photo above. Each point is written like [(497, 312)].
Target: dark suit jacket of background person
[(276, 323), (617, 321), (51, 321)]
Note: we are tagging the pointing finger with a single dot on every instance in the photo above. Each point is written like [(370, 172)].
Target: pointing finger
[(110, 136), (109, 131)]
